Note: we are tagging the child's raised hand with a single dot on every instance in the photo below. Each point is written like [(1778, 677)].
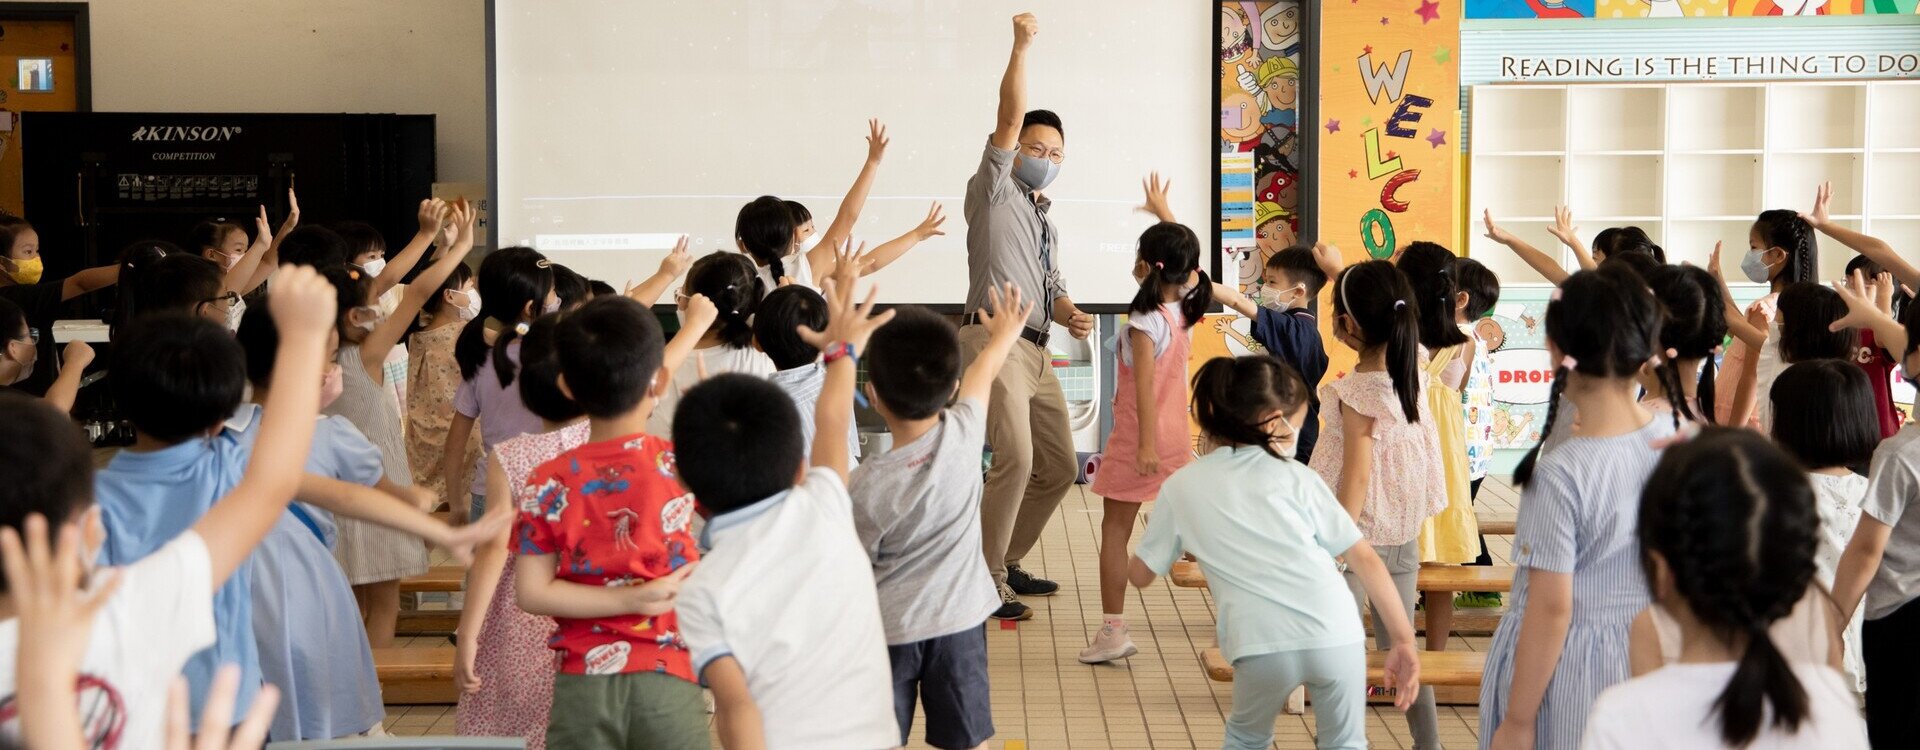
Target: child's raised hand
[(432, 214), (700, 314), (847, 322), (262, 229), (1563, 228), (1402, 671), (56, 613), (1862, 309), (1494, 231), (1882, 287), (656, 597), (303, 301), (217, 729), (77, 355), (1822, 202), (930, 226), (1156, 190), (876, 141), (1713, 263), (676, 263), (293, 213), (1006, 312)]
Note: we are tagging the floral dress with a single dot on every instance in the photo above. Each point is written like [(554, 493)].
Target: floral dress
[(434, 377)]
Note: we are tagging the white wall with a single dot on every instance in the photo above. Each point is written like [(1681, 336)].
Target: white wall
[(398, 56)]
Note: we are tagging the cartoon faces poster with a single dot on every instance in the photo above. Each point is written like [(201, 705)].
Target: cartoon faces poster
[(1260, 71)]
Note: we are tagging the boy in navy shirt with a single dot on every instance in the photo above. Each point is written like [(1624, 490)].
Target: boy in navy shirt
[(1284, 325)]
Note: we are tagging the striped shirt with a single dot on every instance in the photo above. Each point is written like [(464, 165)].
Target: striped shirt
[(1577, 517), (803, 385)]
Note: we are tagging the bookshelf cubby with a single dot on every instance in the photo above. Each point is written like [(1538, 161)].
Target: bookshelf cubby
[(1692, 162)]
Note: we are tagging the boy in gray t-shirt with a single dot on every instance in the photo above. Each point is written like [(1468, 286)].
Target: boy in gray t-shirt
[(917, 511)]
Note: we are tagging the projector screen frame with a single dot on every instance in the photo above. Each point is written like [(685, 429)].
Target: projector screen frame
[(1309, 86)]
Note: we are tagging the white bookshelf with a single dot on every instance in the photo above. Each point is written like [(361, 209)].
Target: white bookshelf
[(1692, 163)]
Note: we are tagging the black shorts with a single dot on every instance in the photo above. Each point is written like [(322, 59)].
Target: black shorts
[(948, 675)]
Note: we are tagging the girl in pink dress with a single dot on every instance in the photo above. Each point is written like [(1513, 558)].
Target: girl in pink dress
[(1150, 433)]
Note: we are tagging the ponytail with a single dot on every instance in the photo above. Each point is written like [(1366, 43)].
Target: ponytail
[(1763, 678), (1429, 269), (1668, 373), (511, 281), (1403, 358), (1523, 472), (1704, 392), (730, 282)]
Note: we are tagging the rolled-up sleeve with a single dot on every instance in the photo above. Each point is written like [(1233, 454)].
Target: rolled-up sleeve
[(993, 181)]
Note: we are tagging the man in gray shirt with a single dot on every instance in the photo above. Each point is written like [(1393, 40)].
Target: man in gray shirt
[(1011, 240)]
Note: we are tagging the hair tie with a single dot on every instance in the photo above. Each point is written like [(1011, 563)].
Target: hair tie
[(1159, 265), (1555, 296), (1568, 362), (1671, 354), (1719, 350), (520, 328), (1399, 304)]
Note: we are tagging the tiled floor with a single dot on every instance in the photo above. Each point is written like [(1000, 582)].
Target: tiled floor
[(1044, 699)]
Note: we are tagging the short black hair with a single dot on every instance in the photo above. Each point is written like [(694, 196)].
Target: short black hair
[(1824, 414), (1298, 264), (914, 363), (539, 378), (736, 440), (49, 464), (1481, 285), (13, 322), (312, 245), (1042, 117), (609, 351), (601, 288), (1642, 264), (360, 237), (774, 326), (570, 287), (177, 375), (260, 340), (1807, 310)]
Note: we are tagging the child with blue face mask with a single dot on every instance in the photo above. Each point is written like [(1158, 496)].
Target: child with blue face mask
[(1282, 323)]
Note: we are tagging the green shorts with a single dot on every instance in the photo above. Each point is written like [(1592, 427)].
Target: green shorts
[(635, 710)]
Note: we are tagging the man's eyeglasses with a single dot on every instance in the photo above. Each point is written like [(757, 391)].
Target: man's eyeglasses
[(1041, 151)]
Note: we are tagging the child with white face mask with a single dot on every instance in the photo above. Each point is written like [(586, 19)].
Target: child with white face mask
[(1282, 322), (433, 377)]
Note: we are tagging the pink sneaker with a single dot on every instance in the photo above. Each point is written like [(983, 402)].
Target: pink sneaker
[(1112, 643)]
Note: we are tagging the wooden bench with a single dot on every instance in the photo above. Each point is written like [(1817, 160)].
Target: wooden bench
[(415, 675), (1497, 526), (437, 579), (1187, 573), (1437, 668)]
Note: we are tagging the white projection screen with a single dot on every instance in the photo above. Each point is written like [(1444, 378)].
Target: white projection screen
[(619, 125)]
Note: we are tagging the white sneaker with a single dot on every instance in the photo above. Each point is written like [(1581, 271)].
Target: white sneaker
[(1111, 644)]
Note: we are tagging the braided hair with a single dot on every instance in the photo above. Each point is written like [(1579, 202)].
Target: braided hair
[(1695, 325), (1171, 254), (1233, 396), (731, 283), (1377, 298), (1608, 324), (764, 229), (1430, 269), (1732, 518), (1784, 229)]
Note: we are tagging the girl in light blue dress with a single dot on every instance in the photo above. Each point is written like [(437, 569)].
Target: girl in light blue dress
[(1579, 583)]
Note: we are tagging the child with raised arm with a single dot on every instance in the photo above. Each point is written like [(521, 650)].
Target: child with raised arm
[(786, 670), (917, 510), (1283, 324), (172, 589), (604, 544), (1267, 532)]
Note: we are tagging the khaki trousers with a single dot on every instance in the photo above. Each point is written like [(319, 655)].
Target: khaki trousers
[(1033, 457)]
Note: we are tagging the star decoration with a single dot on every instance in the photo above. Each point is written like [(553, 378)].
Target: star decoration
[(1393, 154), (1353, 174), (1366, 122), (1367, 49), (1333, 126), (1442, 54), (1438, 138), (1383, 20), (1429, 12)]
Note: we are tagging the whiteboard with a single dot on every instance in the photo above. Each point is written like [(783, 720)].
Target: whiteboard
[(618, 126)]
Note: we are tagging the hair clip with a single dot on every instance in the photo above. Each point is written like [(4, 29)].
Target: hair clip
[(543, 263), (521, 328), (1568, 362), (1399, 304), (353, 273)]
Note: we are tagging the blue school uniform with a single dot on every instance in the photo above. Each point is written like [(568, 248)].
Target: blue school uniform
[(147, 499), (307, 626), (1578, 516), (1293, 336)]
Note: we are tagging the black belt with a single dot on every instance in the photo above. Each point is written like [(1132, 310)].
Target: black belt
[(1039, 338)]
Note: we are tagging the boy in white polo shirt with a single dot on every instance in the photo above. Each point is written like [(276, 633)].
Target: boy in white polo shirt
[(917, 508), (781, 614)]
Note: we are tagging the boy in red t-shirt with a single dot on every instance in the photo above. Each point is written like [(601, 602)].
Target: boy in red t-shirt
[(604, 545)]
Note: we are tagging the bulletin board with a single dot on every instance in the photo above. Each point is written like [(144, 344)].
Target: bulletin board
[(1264, 93)]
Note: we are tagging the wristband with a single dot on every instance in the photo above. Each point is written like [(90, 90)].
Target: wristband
[(842, 350)]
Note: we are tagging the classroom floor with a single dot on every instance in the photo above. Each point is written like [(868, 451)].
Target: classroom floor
[(1044, 699)]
